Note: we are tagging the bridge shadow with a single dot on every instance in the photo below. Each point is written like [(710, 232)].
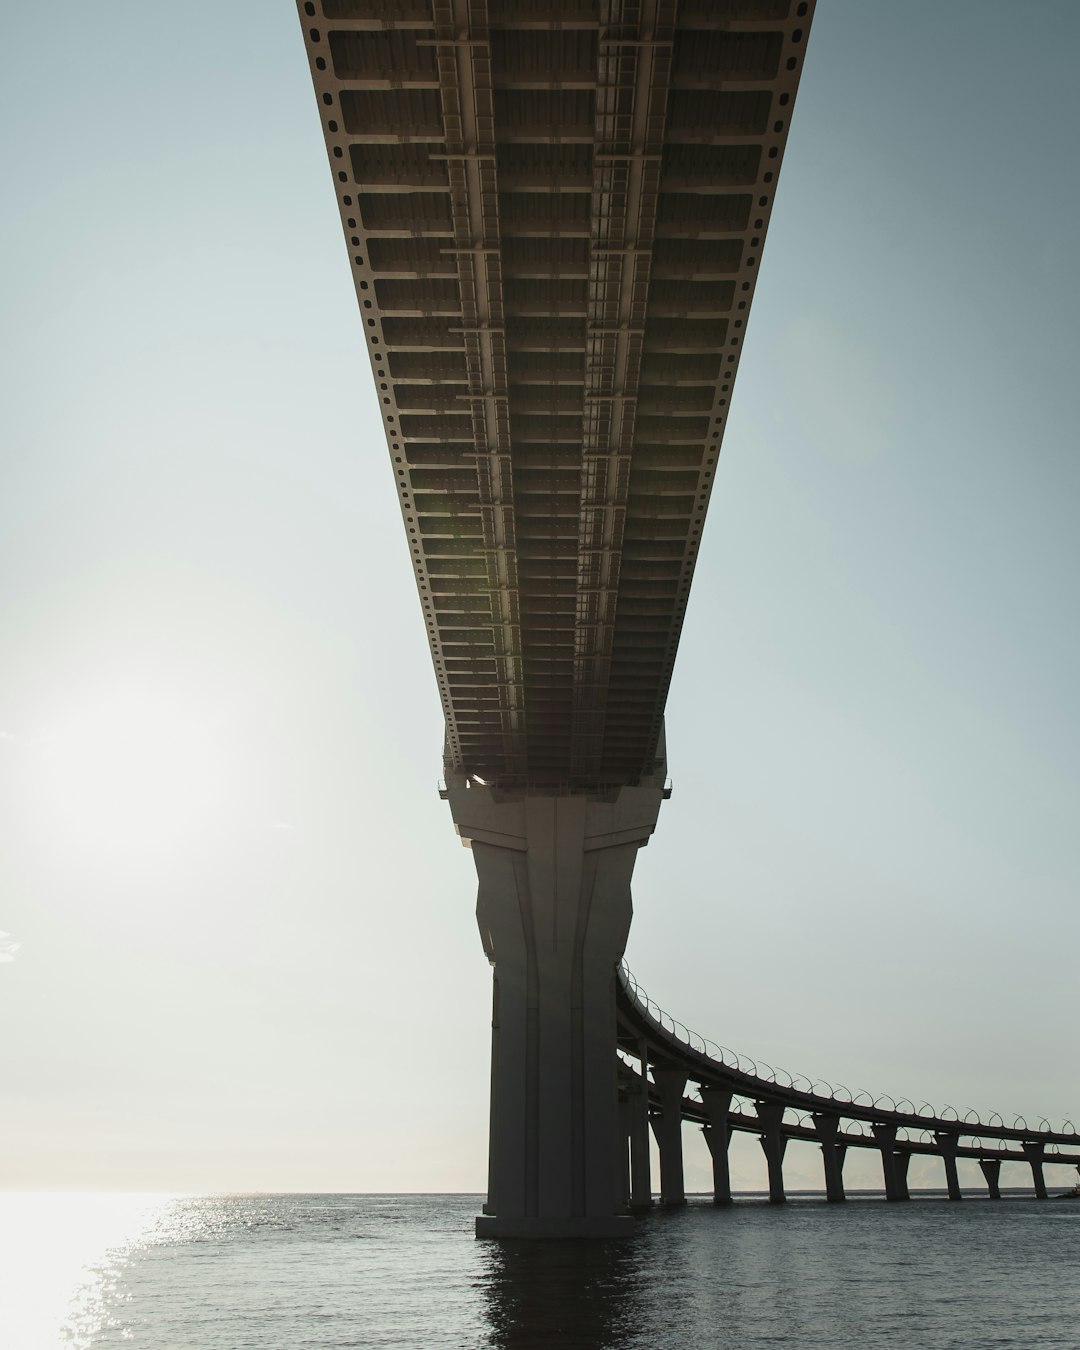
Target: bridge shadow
[(574, 1295)]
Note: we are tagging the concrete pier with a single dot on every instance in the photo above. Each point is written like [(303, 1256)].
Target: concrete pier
[(948, 1144), (554, 910), (1034, 1151), (640, 1153), (774, 1145), (902, 1162), (832, 1155), (718, 1136), (622, 1164), (893, 1164), (991, 1170), (667, 1126)]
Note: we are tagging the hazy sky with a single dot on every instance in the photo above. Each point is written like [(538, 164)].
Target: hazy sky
[(247, 954)]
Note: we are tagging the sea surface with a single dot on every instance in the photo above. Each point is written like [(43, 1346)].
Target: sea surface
[(318, 1272)]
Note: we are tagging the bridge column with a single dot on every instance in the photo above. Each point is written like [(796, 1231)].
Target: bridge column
[(718, 1135), (626, 1130), (554, 910), (893, 1164), (832, 1153), (903, 1161), (1033, 1150), (991, 1170), (640, 1160), (948, 1143), (667, 1126), (771, 1115)]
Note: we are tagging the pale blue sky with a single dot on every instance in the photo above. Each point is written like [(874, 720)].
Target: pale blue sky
[(248, 956)]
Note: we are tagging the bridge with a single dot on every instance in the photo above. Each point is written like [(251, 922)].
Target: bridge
[(668, 1075), (555, 212)]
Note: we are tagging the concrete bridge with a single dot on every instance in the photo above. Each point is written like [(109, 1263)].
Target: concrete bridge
[(669, 1075), (555, 211)]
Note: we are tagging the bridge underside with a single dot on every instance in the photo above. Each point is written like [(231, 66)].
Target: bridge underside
[(555, 211)]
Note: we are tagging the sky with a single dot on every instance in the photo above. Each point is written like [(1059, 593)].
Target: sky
[(238, 949)]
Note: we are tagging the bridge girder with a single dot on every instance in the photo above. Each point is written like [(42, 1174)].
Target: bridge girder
[(555, 213)]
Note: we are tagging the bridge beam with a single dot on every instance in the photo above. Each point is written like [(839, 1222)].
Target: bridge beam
[(991, 1170), (717, 1134), (554, 911)]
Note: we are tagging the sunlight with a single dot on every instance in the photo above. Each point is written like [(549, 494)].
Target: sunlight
[(59, 1256), (129, 769)]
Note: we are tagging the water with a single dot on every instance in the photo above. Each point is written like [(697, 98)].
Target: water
[(319, 1272)]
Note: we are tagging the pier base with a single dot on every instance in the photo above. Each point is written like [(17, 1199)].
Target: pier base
[(494, 1226), (554, 911)]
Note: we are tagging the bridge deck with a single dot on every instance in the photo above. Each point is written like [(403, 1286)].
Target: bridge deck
[(643, 1031)]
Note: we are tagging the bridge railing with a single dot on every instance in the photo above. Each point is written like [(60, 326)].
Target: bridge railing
[(708, 1061)]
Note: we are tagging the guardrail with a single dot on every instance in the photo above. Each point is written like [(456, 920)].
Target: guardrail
[(709, 1061)]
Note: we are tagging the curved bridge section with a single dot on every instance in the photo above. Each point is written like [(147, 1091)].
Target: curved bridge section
[(668, 1075)]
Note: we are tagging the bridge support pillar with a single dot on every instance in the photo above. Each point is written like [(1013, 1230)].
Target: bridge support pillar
[(718, 1135), (771, 1115), (1034, 1153), (554, 911), (902, 1161), (991, 1170), (832, 1153), (667, 1126), (626, 1131), (894, 1165), (640, 1160), (948, 1144)]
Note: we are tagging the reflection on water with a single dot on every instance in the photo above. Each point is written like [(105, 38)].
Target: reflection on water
[(808, 1274), (566, 1294)]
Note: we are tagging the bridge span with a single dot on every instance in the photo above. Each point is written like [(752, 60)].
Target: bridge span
[(668, 1075), (555, 212)]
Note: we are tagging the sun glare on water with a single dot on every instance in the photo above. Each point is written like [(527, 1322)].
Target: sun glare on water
[(60, 1256)]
